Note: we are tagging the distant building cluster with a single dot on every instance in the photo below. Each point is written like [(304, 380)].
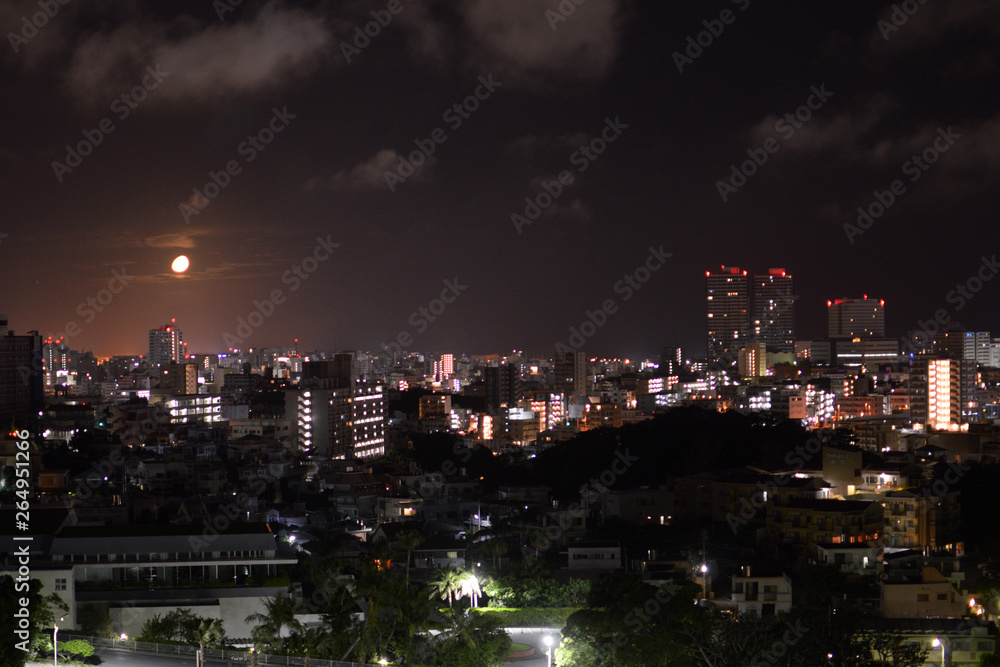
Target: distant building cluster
[(208, 473)]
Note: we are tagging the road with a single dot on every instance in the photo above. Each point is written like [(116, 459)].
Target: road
[(118, 658), (128, 659)]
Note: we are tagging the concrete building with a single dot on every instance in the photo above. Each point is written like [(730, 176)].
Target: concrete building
[(762, 595), (856, 318), (727, 324), (978, 347), (752, 361), (930, 595), (166, 345), (570, 375), (21, 377), (136, 572), (595, 555), (774, 311)]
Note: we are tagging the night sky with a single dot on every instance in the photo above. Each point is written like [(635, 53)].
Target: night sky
[(347, 114)]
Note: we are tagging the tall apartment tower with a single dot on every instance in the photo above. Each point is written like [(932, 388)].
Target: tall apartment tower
[(979, 347), (728, 311), (856, 318), (503, 386), (671, 360), (444, 368), (943, 391), (571, 375), (773, 311), (180, 379), (166, 345), (21, 377)]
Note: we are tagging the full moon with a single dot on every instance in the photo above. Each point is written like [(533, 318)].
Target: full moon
[(180, 264)]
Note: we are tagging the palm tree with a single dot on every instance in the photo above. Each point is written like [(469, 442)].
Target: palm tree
[(495, 547), (209, 631), (537, 540), (279, 613), (411, 539), (446, 583)]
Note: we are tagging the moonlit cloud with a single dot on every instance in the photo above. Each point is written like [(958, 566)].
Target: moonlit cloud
[(204, 62), (368, 175)]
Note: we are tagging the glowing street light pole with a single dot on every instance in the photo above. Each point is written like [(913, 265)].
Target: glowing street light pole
[(547, 640), (937, 642), (55, 641)]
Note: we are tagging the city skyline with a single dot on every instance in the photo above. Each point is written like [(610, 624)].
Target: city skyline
[(529, 157)]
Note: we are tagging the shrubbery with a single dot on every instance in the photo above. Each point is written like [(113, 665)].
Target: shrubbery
[(520, 592)]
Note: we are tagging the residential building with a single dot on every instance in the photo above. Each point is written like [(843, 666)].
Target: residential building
[(806, 522), (166, 345), (728, 313), (856, 318), (762, 595), (927, 595), (21, 377), (773, 312), (595, 555)]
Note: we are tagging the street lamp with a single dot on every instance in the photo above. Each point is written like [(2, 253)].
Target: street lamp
[(55, 641), (937, 642), (547, 640)]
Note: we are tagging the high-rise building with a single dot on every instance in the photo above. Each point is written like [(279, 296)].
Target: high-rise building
[(502, 386), (773, 311), (979, 347), (446, 367), (752, 361), (949, 344), (339, 422), (728, 313), (856, 318), (180, 379), (166, 345), (570, 377), (368, 425), (330, 373), (671, 361), (21, 377), (943, 391)]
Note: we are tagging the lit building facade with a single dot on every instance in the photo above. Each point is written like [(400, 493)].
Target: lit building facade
[(773, 311), (856, 318), (728, 314), (166, 345)]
